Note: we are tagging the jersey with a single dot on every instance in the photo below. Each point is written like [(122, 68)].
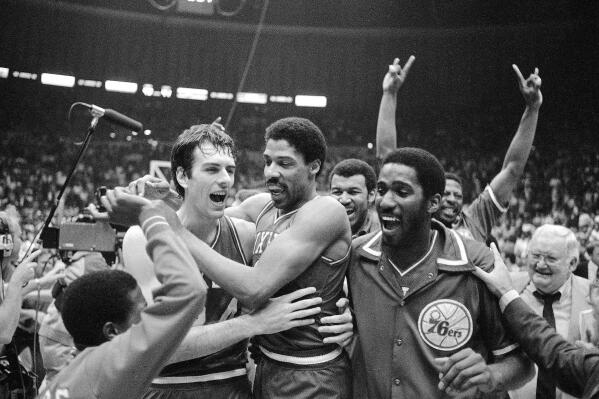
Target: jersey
[(476, 221), (433, 309), (325, 274), (220, 306)]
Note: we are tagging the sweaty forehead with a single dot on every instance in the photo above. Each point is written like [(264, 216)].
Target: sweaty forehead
[(343, 182), (398, 173), (207, 152)]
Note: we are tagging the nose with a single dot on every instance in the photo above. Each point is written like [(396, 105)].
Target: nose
[(224, 178), (450, 198), (344, 199), (386, 203), (271, 171)]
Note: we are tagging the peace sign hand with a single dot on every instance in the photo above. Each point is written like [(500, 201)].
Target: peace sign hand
[(530, 88), (397, 75)]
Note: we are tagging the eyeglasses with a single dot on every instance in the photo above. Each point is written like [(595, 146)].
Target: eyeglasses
[(547, 259)]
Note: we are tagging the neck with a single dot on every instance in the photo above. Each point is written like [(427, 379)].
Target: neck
[(201, 226), (309, 195), (412, 248)]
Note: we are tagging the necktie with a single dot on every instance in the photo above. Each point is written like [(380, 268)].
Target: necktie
[(545, 383)]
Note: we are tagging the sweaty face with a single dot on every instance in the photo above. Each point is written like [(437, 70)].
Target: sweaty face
[(451, 202), (400, 203), (211, 177), (287, 174), (352, 193), (548, 263)]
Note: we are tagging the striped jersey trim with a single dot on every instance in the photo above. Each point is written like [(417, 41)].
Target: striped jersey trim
[(302, 361), (200, 378), (369, 244), (501, 208), (237, 240), (463, 258), (266, 208), (335, 262), (507, 349), (409, 269)]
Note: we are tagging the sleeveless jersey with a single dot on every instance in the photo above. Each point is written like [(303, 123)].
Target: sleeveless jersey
[(220, 306), (325, 274)]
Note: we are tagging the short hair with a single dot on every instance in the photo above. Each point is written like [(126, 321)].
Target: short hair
[(351, 167), (192, 138), (94, 299), (563, 233), (301, 134), (429, 170), (454, 177)]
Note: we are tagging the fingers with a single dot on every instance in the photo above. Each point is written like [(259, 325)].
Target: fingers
[(521, 80), (406, 68), (344, 317), (498, 260), (306, 303), (96, 214), (32, 256), (296, 294), (342, 303), (335, 328), (302, 314), (341, 339), (460, 367)]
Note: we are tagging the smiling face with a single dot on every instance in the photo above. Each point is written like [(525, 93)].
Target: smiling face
[(352, 193), (549, 265), (208, 182), (451, 202), (288, 178), (400, 203)]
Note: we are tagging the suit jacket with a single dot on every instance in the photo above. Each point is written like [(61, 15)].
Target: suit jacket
[(576, 370)]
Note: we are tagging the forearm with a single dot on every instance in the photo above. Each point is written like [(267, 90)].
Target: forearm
[(386, 131), (512, 372), (9, 313), (519, 149), (210, 338)]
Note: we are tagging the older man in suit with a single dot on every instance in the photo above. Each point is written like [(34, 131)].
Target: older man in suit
[(554, 292)]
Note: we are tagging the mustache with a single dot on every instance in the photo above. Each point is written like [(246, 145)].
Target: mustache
[(273, 180)]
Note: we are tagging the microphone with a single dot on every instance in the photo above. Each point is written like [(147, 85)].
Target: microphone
[(117, 118)]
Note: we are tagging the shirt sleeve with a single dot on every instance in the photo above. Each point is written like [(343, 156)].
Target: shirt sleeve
[(485, 211), (125, 366), (572, 367), (497, 338)]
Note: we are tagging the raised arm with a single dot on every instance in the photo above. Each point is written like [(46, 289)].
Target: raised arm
[(318, 225), (386, 131), (519, 149)]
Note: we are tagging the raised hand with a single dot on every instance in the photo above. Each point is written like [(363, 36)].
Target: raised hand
[(25, 271), (397, 75), (123, 207), (530, 88)]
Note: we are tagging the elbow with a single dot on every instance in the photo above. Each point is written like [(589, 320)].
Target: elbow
[(255, 299)]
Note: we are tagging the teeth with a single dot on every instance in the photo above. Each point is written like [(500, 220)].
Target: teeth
[(390, 219)]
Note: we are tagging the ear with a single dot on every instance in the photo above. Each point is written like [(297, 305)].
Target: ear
[(315, 167), (573, 264), (110, 330), (434, 202), (371, 197), (181, 177)]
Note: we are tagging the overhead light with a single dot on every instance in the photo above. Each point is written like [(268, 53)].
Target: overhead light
[(189, 93), (280, 99), (24, 75), (133, 132), (89, 83), (166, 91), (128, 138), (251, 98), (311, 101), (147, 89), (53, 79), (221, 96), (3, 72), (147, 132), (120, 87), (112, 135)]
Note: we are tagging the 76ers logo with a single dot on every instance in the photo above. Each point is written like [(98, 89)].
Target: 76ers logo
[(445, 324)]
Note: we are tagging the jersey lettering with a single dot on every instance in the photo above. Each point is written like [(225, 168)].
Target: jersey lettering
[(263, 239), (445, 324)]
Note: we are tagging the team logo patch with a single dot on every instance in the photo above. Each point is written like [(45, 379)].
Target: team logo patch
[(445, 324)]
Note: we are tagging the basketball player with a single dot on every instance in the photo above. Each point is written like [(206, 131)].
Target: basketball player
[(476, 221), (415, 299), (211, 361)]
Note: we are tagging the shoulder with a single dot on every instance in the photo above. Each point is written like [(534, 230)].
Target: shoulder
[(368, 246), (250, 208), (325, 207), (461, 254), (243, 227), (581, 283)]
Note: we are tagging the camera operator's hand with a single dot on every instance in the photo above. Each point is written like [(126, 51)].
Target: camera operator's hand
[(25, 271), (123, 207), (150, 187)]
